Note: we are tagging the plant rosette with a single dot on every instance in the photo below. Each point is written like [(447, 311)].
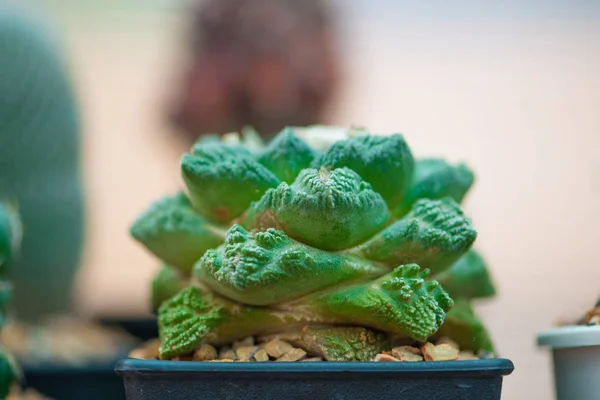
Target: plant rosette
[(348, 251)]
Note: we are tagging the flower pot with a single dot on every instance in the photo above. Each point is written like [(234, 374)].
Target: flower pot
[(69, 359), (89, 382), (181, 380), (576, 357)]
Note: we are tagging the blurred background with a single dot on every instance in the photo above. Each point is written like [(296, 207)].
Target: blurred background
[(512, 88)]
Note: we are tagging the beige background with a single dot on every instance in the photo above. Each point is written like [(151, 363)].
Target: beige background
[(511, 87)]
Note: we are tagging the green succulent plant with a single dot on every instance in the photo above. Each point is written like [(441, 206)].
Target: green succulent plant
[(355, 235), (10, 242), (11, 233)]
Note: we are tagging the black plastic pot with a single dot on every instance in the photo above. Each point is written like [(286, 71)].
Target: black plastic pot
[(90, 382), (95, 380), (451, 380)]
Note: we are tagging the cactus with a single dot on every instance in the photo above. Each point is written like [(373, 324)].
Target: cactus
[(10, 242), (39, 161), (357, 236)]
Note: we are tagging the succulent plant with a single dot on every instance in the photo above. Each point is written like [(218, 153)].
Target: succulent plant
[(10, 242), (41, 167), (355, 234)]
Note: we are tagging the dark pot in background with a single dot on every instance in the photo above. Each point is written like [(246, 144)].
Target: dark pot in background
[(90, 382), (450, 380)]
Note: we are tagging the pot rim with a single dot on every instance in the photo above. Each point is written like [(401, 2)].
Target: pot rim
[(566, 337), (493, 366)]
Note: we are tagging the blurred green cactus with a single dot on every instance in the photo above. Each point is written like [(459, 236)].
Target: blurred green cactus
[(290, 235), (39, 162)]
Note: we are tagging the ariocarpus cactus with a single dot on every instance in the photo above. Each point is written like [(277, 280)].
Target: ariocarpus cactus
[(288, 236)]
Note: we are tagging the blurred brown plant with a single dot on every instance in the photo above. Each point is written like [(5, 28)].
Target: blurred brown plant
[(264, 63)]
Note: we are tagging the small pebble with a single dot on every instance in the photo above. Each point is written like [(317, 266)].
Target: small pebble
[(227, 353), (206, 352), (245, 353), (152, 349), (442, 352), (410, 349), (483, 354), (592, 317), (261, 356), (407, 353), (385, 358), (139, 354), (293, 355), (448, 341), (277, 348)]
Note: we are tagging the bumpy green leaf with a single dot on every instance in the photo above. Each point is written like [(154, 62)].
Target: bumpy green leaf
[(340, 343), (385, 162), (287, 155), (467, 278), (435, 234), (223, 180), (326, 209), (10, 234), (465, 328), (265, 268), (402, 302), (193, 317), (166, 284), (174, 232), (185, 320), (434, 178)]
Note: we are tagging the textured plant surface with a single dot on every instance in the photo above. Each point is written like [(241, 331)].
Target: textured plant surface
[(354, 235)]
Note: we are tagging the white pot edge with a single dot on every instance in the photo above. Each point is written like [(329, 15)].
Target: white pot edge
[(566, 337)]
